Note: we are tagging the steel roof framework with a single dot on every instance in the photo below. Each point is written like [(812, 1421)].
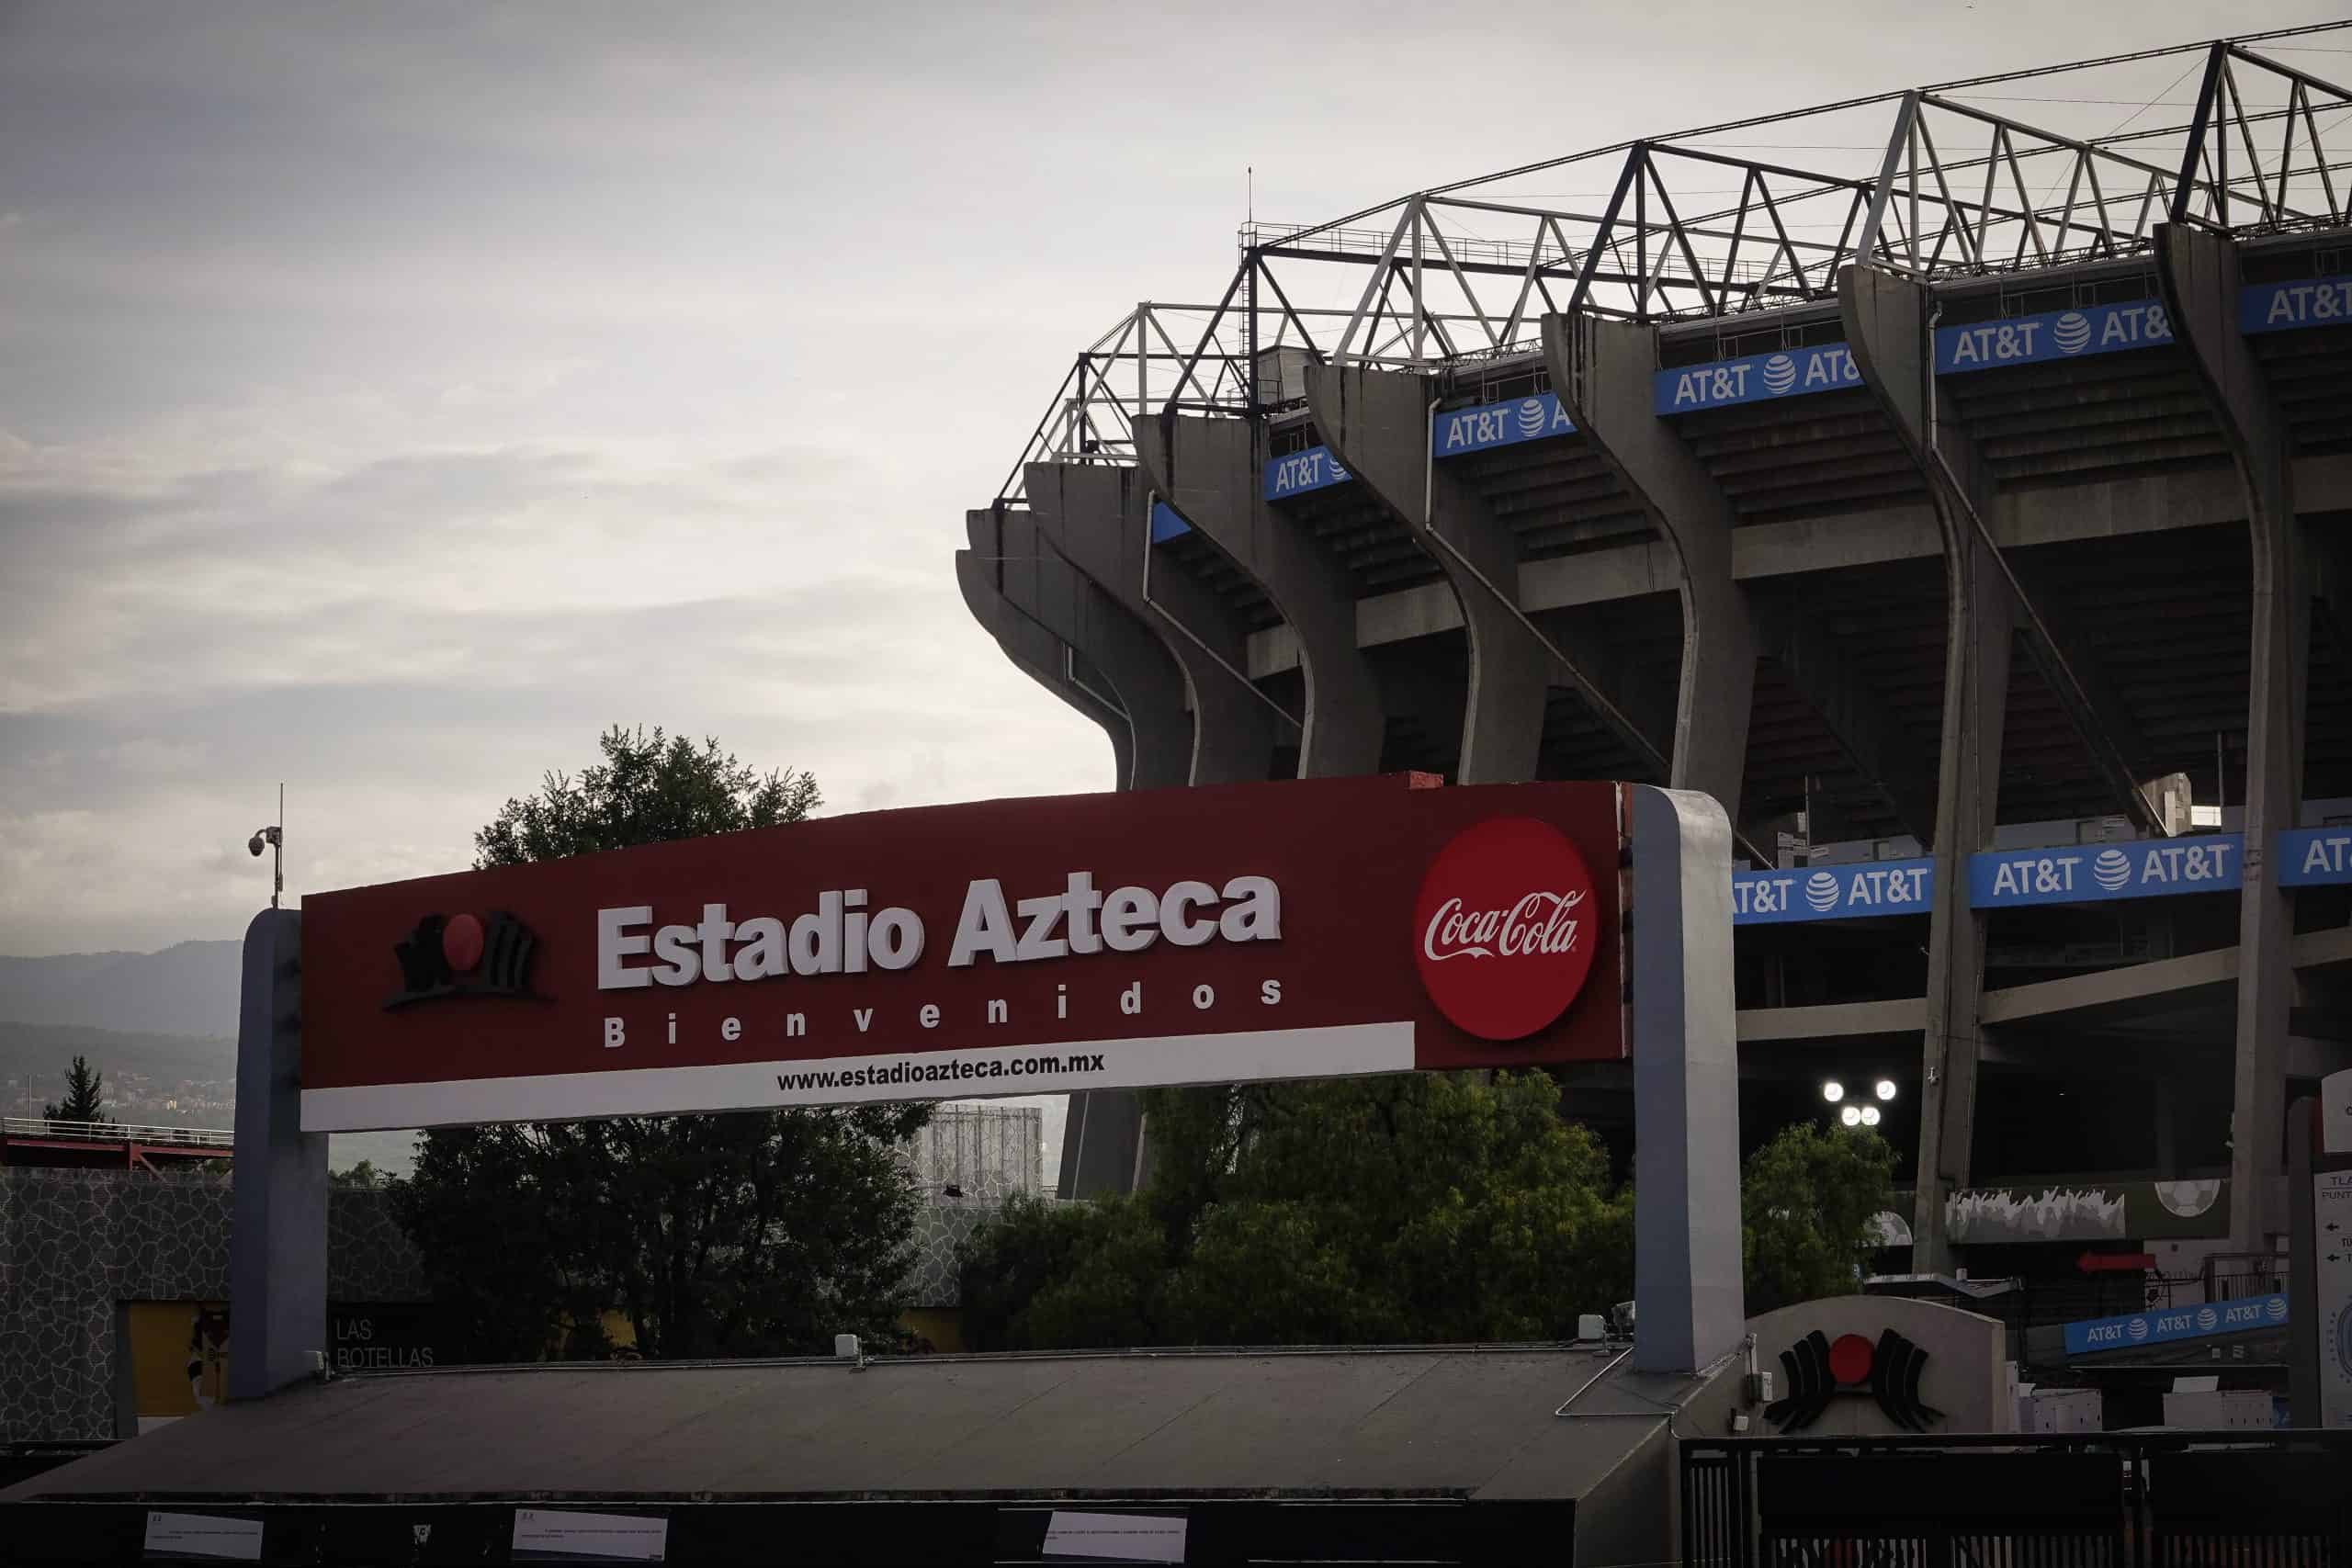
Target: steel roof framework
[(1927, 183)]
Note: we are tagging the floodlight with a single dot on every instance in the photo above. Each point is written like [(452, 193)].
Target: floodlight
[(1833, 1092), (1869, 1115), (1886, 1090), (1851, 1116)]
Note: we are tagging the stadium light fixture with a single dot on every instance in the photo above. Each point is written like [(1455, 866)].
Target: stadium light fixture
[(1885, 1089), (1851, 1116), (1869, 1115), (1833, 1092)]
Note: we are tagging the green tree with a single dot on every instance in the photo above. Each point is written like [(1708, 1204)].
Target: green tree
[(1415, 1208), (363, 1174), (84, 1096), (1808, 1201), (758, 1233)]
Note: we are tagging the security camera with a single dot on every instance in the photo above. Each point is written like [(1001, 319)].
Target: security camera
[(254, 844)]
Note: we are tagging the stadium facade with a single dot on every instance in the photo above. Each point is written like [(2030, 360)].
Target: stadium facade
[(1953, 482)]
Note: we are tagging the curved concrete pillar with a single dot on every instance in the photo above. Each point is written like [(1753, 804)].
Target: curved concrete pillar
[(1886, 327), (2200, 275), (1097, 518), (1600, 370), (1377, 424), (1043, 657), (1038, 585), (1208, 470), (1101, 1129)]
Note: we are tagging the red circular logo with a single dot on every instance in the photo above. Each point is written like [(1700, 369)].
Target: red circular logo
[(461, 943), (1849, 1359), (1503, 931)]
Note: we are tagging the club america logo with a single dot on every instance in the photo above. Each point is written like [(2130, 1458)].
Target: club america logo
[(464, 955)]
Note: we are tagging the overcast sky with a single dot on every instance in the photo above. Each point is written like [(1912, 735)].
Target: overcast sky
[(393, 396)]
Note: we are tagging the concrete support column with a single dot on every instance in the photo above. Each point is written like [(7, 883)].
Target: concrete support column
[(1886, 327), (1377, 424), (2200, 279), (1097, 518), (1209, 471), (1601, 371), (1103, 1129), (1043, 658), (1039, 586)]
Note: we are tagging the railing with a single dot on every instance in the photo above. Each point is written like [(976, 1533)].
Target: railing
[(2094, 1499), (116, 1132)]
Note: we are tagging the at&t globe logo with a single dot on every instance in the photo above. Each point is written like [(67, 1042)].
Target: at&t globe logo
[(2137, 1328), (1502, 931), (1780, 374), (1532, 416), (1821, 892), (2112, 868), (2071, 331)]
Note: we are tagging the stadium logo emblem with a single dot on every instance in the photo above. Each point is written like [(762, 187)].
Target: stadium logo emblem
[(2071, 331), (1780, 374), (2112, 868), (1818, 1371), (1503, 927), (462, 955), (2275, 1309), (2207, 1319), (1531, 418), (1821, 892), (2137, 1328)]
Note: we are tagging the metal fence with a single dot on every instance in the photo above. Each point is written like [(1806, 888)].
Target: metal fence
[(2077, 1500), (116, 1132)]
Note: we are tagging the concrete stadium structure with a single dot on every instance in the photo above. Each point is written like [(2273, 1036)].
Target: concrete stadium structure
[(1971, 491)]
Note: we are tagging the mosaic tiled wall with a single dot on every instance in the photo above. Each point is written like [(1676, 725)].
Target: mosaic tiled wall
[(73, 1243)]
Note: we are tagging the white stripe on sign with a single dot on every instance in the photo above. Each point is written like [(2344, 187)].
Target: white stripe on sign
[(1124, 1538), (1338, 1051)]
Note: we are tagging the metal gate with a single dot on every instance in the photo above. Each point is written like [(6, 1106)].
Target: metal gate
[(2079, 1500)]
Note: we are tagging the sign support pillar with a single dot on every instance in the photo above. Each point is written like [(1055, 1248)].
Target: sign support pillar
[(278, 1232), (1689, 1304)]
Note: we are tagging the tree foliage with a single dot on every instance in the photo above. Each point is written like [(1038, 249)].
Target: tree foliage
[(85, 1096), (758, 1233), (1417, 1208), (1808, 1201)]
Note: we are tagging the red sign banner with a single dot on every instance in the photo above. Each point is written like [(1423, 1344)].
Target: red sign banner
[(1308, 928)]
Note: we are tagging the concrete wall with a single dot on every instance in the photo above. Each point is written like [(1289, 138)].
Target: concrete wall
[(75, 1243), (1966, 1376)]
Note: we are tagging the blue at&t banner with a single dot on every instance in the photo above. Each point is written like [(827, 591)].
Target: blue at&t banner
[(1832, 892), (1314, 468), (1457, 430), (2056, 335), (1165, 524), (2208, 863), (2306, 302), (2311, 857), (2160, 1326), (1791, 373)]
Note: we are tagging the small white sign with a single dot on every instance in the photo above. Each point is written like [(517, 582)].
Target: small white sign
[(2332, 1284), (203, 1535), (1128, 1538), (559, 1535), (2336, 1113)]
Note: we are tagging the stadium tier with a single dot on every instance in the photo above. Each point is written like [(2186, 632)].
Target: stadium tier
[(1953, 482)]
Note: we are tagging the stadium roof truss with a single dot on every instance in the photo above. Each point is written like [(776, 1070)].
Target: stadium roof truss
[(1934, 181)]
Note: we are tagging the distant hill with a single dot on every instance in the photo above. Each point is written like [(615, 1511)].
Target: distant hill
[(190, 989), (41, 1050)]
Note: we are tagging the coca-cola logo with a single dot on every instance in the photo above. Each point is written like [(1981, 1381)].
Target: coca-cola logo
[(1503, 930)]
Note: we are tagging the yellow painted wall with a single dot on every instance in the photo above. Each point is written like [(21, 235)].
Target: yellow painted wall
[(944, 1326), (179, 1355)]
